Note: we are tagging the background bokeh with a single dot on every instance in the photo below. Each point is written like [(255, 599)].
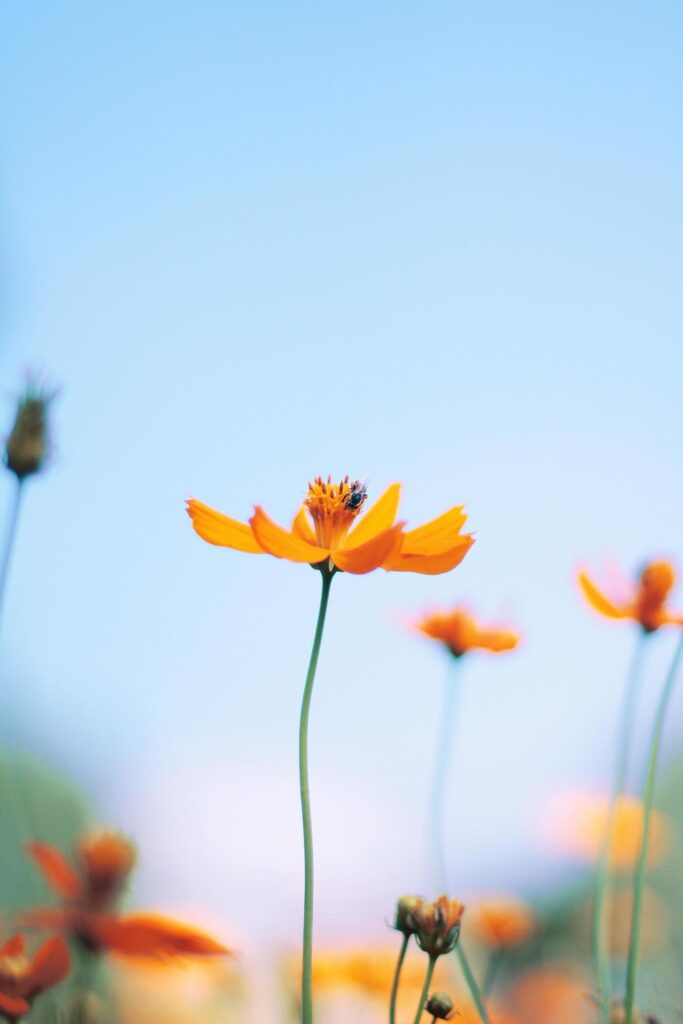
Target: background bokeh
[(439, 243)]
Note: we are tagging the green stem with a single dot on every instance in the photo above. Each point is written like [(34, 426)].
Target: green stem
[(425, 990), (397, 978), (639, 881), (307, 971), (600, 921), (10, 537), (495, 961), (440, 778), (471, 983)]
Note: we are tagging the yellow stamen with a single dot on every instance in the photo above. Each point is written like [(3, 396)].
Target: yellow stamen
[(333, 508)]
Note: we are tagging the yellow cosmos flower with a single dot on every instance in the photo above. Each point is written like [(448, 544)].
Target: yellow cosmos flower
[(643, 601), (325, 534)]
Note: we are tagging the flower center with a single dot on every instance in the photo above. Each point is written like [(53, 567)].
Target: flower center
[(333, 508), (13, 970)]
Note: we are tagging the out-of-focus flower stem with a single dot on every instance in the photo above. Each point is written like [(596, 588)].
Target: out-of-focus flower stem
[(425, 989), (397, 978), (471, 983), (440, 777), (639, 880), (495, 961), (10, 538), (600, 929), (307, 970)]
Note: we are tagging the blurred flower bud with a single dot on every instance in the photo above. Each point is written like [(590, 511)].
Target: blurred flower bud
[(27, 446), (107, 859), (440, 1005), (404, 910), (437, 925)]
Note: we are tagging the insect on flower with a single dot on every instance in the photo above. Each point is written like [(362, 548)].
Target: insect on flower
[(325, 534)]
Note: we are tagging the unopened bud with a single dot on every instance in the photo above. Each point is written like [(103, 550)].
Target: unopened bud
[(437, 925), (440, 1005), (27, 446), (404, 914)]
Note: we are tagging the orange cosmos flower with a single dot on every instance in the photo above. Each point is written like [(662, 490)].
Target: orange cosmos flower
[(459, 631), (23, 979), (502, 923), (325, 534), (89, 894), (643, 602)]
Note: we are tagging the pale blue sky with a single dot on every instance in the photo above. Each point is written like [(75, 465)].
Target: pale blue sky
[(436, 243)]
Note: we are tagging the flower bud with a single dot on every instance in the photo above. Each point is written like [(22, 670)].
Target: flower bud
[(437, 925), (440, 1005), (404, 914), (27, 446)]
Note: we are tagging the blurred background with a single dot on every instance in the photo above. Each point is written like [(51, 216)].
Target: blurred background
[(435, 243)]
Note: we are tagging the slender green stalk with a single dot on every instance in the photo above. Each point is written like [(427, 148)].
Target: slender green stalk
[(425, 990), (307, 971), (440, 777), (397, 978), (10, 538), (493, 966), (471, 983), (639, 880), (600, 921)]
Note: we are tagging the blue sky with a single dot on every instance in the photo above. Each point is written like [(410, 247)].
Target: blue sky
[(435, 243)]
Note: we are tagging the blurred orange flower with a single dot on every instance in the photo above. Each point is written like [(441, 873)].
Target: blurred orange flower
[(501, 922), (105, 861), (23, 979), (321, 533), (643, 601), (551, 996), (580, 828), (460, 632)]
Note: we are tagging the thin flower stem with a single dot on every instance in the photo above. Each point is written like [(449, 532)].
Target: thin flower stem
[(600, 921), (307, 971), (10, 538), (425, 990), (495, 961), (440, 777), (397, 978), (639, 880), (471, 983)]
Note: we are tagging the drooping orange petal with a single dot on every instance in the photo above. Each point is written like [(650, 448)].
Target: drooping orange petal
[(371, 555), (281, 543), (598, 601), (377, 519), (14, 946), (13, 1007), (437, 534), (430, 564), (151, 935), (50, 966), (301, 526), (216, 528), (56, 869)]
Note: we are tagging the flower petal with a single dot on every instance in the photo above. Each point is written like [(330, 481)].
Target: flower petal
[(281, 543), (301, 526), (14, 946), (598, 601), (57, 871), (436, 536), (430, 564), (151, 935), (365, 557), (12, 1007), (216, 528), (377, 519), (50, 965)]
